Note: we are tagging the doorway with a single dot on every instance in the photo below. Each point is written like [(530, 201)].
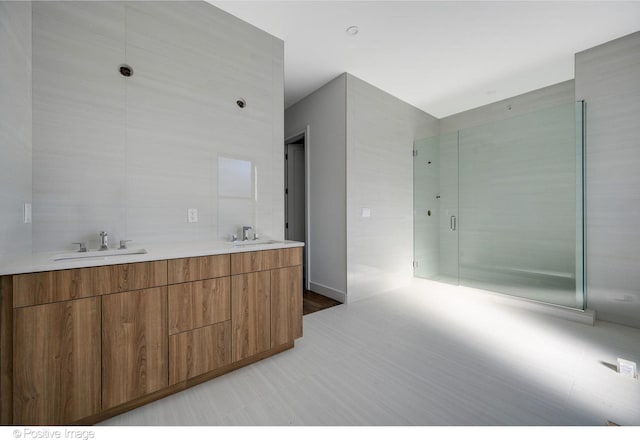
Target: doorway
[(295, 197), (297, 218)]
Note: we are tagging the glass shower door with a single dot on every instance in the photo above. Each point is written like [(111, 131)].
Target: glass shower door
[(435, 171)]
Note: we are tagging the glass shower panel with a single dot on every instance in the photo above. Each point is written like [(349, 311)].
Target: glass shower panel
[(425, 207), (448, 210), (435, 170), (518, 228)]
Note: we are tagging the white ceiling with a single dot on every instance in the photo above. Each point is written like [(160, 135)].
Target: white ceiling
[(442, 57)]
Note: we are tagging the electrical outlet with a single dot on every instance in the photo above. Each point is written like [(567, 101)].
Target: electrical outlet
[(27, 213), (192, 215)]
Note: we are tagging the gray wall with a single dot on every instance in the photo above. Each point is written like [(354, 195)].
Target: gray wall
[(324, 112), (131, 155), (15, 127), (381, 130), (608, 79), (540, 99), (360, 157)]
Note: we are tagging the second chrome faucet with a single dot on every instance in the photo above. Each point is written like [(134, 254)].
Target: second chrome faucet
[(104, 241)]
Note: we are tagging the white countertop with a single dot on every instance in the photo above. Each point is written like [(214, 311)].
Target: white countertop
[(160, 251)]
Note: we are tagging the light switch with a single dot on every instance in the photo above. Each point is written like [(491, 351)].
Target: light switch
[(192, 215), (366, 212), (27, 213)]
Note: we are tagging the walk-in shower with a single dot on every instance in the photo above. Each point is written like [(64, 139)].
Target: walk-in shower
[(500, 206)]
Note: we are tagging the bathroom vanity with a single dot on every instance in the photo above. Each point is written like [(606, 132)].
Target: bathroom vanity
[(84, 340)]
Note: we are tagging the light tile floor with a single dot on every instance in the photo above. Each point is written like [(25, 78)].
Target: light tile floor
[(428, 355)]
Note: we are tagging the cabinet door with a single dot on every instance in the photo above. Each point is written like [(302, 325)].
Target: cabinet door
[(250, 314), (134, 345), (56, 362), (286, 305)]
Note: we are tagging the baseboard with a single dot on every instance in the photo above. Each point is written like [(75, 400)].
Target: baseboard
[(328, 292)]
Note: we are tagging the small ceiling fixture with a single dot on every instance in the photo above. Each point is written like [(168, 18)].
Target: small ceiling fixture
[(353, 30)]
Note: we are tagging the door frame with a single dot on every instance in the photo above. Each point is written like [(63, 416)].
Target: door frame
[(307, 196)]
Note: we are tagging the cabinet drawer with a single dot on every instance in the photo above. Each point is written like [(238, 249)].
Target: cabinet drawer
[(199, 303), (287, 257), (61, 285), (198, 268), (199, 351), (246, 262)]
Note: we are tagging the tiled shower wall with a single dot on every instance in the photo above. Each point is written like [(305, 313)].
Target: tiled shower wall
[(130, 155)]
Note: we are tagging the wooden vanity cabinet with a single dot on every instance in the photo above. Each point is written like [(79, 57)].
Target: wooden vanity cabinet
[(82, 345)]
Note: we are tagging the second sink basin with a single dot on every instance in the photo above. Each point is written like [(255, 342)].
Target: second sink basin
[(94, 254)]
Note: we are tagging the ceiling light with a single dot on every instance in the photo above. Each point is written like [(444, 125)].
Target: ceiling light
[(353, 30)]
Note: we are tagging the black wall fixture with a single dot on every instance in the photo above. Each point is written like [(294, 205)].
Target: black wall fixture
[(241, 103), (125, 70)]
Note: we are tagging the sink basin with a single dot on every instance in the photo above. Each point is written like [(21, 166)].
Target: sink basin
[(96, 254), (254, 242)]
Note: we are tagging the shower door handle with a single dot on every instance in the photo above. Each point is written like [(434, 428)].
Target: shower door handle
[(452, 223)]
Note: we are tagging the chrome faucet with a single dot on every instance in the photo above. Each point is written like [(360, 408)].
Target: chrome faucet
[(245, 232), (104, 241)]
